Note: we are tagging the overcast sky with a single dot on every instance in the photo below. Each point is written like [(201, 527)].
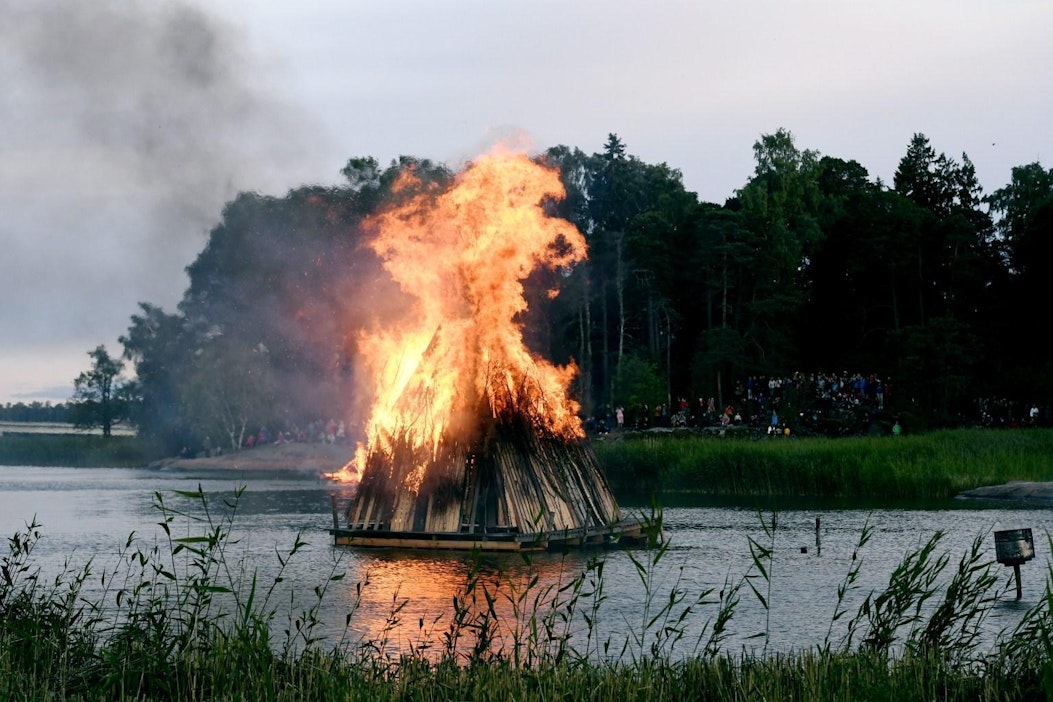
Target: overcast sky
[(125, 125)]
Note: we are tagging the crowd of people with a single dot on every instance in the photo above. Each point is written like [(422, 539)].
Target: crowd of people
[(830, 402), (1003, 412), (317, 431), (824, 403)]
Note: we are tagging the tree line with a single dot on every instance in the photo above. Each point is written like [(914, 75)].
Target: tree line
[(36, 411), (812, 266)]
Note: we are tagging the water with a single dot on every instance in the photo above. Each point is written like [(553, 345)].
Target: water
[(405, 599)]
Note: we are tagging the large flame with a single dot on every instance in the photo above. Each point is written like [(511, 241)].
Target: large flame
[(462, 256)]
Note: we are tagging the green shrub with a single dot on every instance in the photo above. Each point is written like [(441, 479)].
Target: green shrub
[(76, 451)]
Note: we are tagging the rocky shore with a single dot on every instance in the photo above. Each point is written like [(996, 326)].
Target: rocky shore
[(1018, 490)]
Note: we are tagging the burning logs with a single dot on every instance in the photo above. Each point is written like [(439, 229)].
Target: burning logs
[(511, 481), (471, 436)]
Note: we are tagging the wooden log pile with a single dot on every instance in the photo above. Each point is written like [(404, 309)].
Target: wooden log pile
[(510, 476)]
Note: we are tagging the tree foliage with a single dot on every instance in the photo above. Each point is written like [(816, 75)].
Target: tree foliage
[(812, 266), (101, 397)]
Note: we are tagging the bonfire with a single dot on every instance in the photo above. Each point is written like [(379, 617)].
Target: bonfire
[(469, 431)]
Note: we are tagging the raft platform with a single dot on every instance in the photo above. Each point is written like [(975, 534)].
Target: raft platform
[(626, 531)]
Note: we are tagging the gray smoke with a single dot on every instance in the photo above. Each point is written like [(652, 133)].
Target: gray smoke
[(124, 127)]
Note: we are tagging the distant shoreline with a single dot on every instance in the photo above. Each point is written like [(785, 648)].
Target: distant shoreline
[(59, 428), (986, 465), (302, 457), (327, 458)]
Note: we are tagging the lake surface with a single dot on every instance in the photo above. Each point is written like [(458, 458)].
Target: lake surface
[(405, 599)]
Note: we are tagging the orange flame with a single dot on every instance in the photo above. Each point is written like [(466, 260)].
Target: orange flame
[(462, 256)]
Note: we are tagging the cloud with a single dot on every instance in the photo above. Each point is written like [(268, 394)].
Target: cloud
[(61, 393)]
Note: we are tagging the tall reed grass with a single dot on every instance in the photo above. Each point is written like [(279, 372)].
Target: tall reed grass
[(75, 451), (934, 465), (177, 620)]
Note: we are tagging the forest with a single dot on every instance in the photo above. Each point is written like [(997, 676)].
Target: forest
[(813, 269)]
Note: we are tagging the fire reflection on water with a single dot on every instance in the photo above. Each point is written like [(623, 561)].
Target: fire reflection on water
[(434, 603)]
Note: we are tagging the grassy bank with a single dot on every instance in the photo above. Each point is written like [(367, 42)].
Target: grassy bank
[(178, 621), (76, 451), (935, 465), (932, 465)]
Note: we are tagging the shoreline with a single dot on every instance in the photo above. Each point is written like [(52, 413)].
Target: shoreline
[(300, 457), (1016, 491), (316, 458), (328, 458)]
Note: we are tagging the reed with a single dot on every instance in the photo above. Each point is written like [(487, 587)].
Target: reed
[(180, 619), (934, 465), (76, 451)]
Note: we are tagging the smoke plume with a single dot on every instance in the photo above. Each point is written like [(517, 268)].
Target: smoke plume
[(126, 127)]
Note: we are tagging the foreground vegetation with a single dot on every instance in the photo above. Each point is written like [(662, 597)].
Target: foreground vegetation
[(177, 621), (933, 465)]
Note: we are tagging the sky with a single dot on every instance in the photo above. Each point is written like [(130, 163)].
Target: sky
[(125, 125)]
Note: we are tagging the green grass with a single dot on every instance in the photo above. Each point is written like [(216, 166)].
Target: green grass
[(934, 465), (177, 621), (85, 451)]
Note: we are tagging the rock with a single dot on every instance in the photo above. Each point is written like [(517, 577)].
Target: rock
[(1020, 490)]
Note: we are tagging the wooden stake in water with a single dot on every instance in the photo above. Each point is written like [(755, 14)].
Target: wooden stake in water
[(818, 545), (336, 520)]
